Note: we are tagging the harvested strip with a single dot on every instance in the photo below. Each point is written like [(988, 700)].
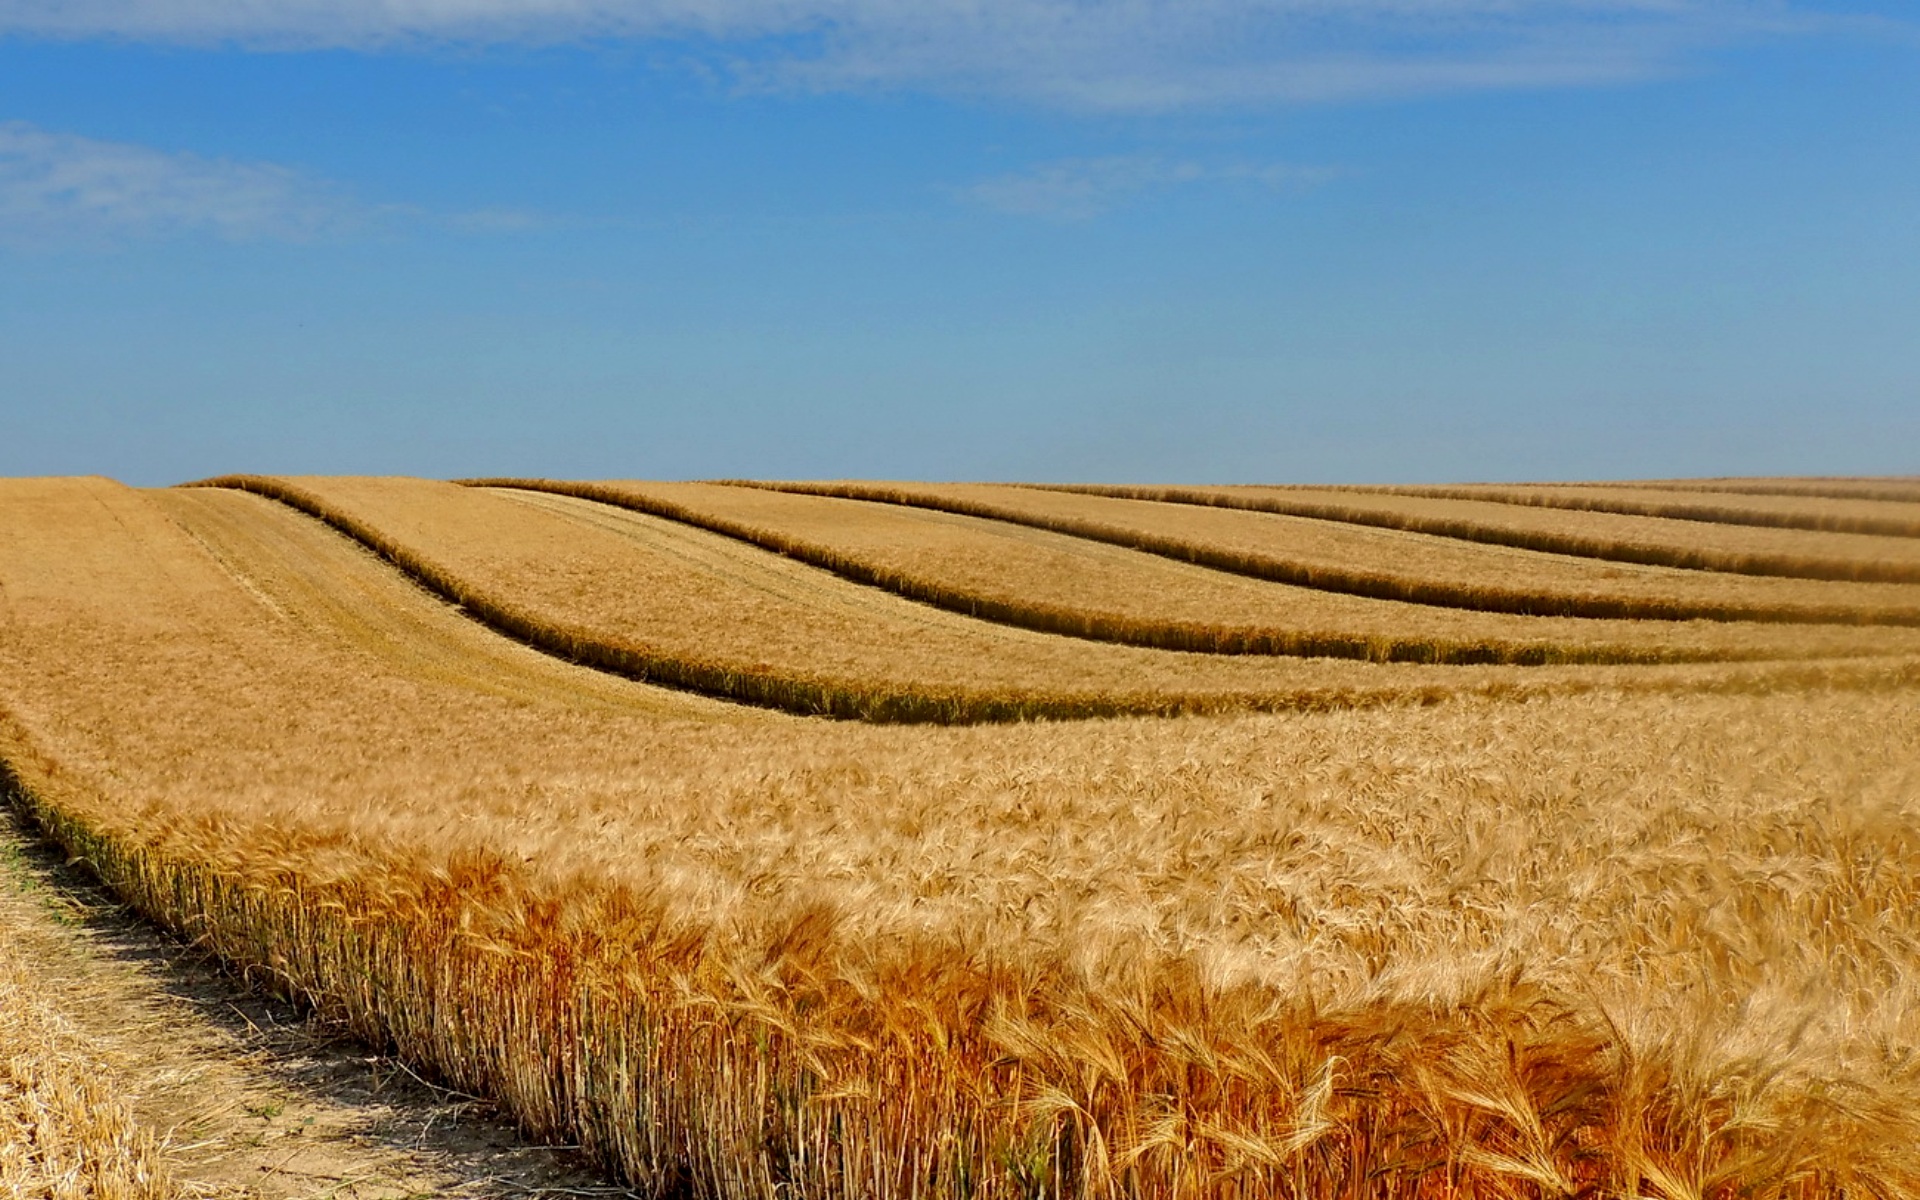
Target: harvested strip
[(778, 958), (1614, 537), (313, 578), (1339, 557), (1818, 513), (1059, 584)]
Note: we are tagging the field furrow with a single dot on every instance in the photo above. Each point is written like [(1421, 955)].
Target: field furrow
[(1882, 518), (1056, 583), (763, 957), (1646, 540), (1393, 564)]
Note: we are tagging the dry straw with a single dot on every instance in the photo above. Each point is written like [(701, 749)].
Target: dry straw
[(66, 1132)]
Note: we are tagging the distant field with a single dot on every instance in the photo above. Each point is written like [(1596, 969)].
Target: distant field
[(1422, 567), (1057, 583), (1587, 531), (1868, 516), (1347, 927), (1899, 489)]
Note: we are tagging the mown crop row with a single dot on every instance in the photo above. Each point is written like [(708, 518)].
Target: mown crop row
[(1705, 509), (1378, 584), (1685, 557), (1155, 634)]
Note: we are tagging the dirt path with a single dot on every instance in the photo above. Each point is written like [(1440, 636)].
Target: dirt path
[(249, 1099)]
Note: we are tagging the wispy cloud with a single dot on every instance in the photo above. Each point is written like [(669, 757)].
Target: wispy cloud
[(1076, 189), (1088, 54), (61, 187)]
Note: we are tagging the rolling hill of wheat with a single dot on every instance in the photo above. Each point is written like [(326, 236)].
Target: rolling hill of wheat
[(1376, 884)]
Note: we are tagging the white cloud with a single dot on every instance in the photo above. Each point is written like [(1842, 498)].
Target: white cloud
[(1091, 54), (59, 185), (1076, 189)]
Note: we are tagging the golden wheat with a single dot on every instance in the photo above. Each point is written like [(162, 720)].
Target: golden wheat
[(1059, 584), (1340, 557), (1617, 943)]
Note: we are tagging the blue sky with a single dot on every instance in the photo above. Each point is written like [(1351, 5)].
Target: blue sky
[(1297, 240)]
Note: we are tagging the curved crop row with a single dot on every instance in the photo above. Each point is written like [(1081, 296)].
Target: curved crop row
[(1384, 585), (308, 572), (1072, 613), (1679, 506), (1282, 502), (808, 693), (763, 688)]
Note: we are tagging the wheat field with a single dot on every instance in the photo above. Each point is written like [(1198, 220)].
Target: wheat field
[(1345, 928)]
